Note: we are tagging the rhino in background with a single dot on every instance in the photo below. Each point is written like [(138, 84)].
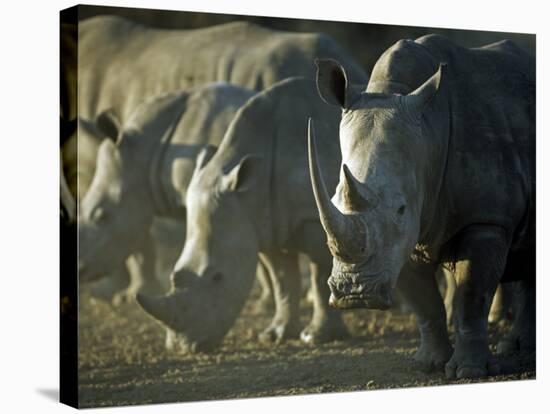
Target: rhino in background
[(114, 78), (121, 63), (145, 174), (437, 167), (252, 196), (78, 158)]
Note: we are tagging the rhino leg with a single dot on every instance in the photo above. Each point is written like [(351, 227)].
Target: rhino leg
[(326, 323), (283, 270), (497, 306), (141, 267), (481, 254), (417, 285), (450, 288), (521, 337), (265, 302)]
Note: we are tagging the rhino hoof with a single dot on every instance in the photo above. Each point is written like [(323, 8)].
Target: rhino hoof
[(453, 371), (514, 343), (508, 346), (277, 333), (323, 333)]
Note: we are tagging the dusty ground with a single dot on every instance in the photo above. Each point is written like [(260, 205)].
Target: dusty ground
[(122, 359)]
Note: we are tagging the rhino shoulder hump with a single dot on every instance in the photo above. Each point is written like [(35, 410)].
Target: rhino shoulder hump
[(506, 46)]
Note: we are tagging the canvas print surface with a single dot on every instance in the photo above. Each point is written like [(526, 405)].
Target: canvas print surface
[(256, 206)]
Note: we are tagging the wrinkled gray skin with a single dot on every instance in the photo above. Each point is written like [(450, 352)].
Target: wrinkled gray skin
[(252, 196), (79, 156), (77, 168), (121, 63), (145, 174), (437, 167)]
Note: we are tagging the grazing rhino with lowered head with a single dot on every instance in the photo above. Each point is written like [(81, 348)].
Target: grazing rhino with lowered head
[(146, 172), (437, 167), (119, 60), (252, 195), (79, 157), (118, 63)]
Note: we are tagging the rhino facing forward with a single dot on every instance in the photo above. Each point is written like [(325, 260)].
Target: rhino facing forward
[(436, 168), (253, 195)]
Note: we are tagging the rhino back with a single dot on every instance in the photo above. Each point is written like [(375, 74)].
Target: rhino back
[(208, 113), (122, 62), (492, 147), (489, 93)]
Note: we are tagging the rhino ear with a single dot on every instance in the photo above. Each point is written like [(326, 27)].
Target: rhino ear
[(423, 95), (108, 123), (205, 154), (332, 83), (243, 176)]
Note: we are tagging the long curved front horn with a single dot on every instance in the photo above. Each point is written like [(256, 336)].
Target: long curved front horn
[(346, 236)]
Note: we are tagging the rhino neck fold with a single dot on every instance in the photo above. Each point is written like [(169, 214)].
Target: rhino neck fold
[(437, 130), (266, 230), (160, 195)]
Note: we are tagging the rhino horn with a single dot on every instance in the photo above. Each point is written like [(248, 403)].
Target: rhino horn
[(342, 229), (422, 96), (353, 196), (159, 307)]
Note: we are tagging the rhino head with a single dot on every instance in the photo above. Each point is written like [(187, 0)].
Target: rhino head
[(373, 221), (215, 272), (117, 211)]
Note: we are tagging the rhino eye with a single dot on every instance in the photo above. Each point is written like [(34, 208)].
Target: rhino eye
[(217, 277), (401, 210), (98, 214)]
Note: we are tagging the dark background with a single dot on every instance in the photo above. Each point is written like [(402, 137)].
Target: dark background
[(364, 41)]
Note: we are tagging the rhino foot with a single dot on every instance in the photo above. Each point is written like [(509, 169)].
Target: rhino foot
[(522, 336), (328, 330), (517, 342), (278, 332), (432, 355), (471, 359)]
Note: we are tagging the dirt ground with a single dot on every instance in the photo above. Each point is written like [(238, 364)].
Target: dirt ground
[(122, 360)]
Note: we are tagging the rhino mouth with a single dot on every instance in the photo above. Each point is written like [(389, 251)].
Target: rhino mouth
[(353, 290), (182, 344)]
